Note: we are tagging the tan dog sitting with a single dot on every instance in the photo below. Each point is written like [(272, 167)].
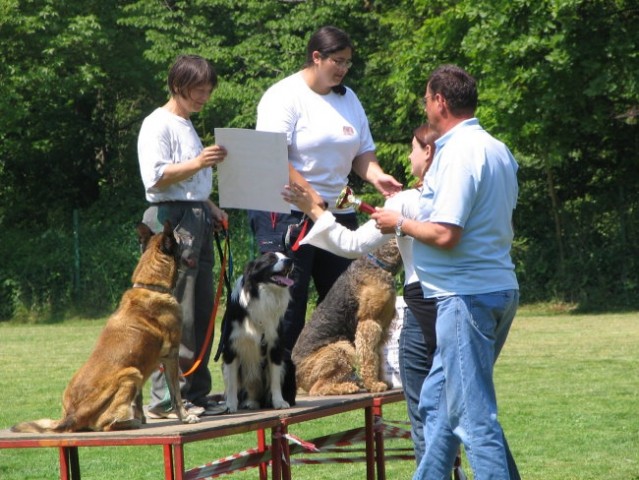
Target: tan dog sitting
[(340, 348), (145, 331)]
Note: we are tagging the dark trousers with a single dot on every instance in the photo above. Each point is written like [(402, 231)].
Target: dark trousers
[(310, 263), (192, 224), (417, 343)]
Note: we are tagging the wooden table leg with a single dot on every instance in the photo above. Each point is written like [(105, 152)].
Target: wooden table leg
[(370, 443), (286, 453), (261, 447), (178, 459), (276, 452), (379, 439), (168, 462), (69, 463)]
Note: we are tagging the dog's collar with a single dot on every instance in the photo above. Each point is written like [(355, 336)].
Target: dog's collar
[(380, 263), (155, 288)]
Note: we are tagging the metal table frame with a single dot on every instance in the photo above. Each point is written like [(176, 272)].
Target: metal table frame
[(173, 435)]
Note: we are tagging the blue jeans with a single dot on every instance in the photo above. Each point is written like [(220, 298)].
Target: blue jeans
[(458, 401), (415, 359)]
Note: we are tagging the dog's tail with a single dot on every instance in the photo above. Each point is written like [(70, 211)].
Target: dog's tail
[(44, 425)]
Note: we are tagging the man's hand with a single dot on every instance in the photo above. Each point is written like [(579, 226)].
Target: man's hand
[(386, 220)]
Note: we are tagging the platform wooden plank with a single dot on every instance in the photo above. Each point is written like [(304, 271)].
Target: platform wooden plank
[(158, 432)]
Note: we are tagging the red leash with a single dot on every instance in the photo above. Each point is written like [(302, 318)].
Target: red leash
[(208, 339), (296, 246)]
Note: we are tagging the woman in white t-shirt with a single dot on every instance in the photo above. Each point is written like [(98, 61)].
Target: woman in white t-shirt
[(328, 137), (176, 170)]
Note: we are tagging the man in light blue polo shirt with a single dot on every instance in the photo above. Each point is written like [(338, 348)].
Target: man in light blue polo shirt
[(462, 257)]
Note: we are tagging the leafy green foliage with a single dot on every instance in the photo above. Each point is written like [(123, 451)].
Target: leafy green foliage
[(558, 83)]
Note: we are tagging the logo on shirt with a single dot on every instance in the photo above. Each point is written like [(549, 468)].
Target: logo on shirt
[(348, 130)]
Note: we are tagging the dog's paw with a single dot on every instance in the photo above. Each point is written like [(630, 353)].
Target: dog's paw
[(130, 424), (280, 404), (231, 407), (250, 405), (340, 388), (190, 418), (377, 387)]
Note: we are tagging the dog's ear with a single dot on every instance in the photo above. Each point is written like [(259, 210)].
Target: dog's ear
[(144, 235), (169, 240), (251, 266)]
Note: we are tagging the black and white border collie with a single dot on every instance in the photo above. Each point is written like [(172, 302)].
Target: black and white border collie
[(254, 366)]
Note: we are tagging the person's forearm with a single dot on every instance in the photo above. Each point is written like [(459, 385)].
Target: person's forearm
[(178, 172), (440, 235), (367, 167), (315, 211)]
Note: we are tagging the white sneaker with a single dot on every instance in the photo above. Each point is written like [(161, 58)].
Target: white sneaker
[(165, 411)]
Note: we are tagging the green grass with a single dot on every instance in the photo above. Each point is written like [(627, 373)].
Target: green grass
[(568, 388)]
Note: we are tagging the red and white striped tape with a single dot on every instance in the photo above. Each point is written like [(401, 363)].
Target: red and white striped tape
[(241, 461), (252, 457)]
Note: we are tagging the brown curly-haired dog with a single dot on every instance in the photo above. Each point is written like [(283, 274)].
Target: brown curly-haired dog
[(340, 348)]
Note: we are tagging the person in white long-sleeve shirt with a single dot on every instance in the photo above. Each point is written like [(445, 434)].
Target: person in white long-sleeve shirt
[(417, 337)]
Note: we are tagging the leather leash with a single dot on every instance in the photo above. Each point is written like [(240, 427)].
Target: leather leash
[(223, 280)]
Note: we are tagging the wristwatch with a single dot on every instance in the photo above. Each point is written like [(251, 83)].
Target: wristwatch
[(398, 227)]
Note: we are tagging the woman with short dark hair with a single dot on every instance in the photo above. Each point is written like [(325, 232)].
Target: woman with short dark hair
[(177, 174)]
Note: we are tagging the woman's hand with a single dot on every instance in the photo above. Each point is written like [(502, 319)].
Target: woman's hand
[(303, 199), (298, 196), (387, 185), (367, 167), (220, 217), (211, 156)]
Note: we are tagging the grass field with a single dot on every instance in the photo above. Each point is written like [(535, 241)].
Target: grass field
[(568, 388)]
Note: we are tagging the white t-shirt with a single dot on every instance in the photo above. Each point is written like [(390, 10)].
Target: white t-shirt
[(167, 138), (324, 132), (330, 235)]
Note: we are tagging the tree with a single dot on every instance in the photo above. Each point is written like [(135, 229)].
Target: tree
[(557, 83), (556, 80), (70, 80)]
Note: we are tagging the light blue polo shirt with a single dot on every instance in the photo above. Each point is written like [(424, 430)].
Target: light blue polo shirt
[(472, 183)]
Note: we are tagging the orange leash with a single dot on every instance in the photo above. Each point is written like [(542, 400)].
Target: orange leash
[(208, 339)]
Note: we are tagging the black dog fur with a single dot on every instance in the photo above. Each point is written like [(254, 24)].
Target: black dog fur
[(258, 373)]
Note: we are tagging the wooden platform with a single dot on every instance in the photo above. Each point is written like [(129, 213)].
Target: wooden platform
[(173, 435)]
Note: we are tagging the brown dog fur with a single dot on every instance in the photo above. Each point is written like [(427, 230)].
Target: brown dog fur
[(347, 331), (105, 393)]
